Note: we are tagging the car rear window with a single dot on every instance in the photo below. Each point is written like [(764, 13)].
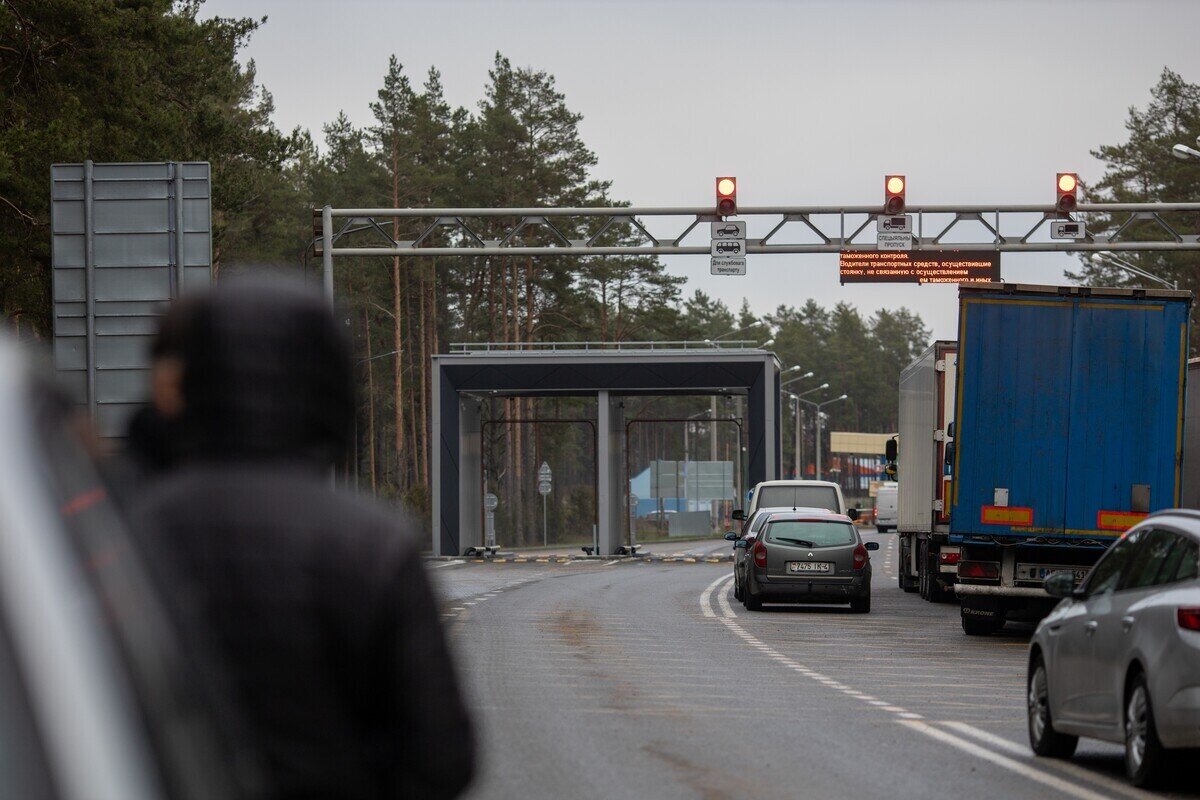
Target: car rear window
[(798, 497), (811, 533)]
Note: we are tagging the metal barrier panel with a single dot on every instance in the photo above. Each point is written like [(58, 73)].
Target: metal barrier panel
[(126, 240)]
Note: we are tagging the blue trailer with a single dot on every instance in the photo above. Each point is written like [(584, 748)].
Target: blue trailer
[(1068, 429)]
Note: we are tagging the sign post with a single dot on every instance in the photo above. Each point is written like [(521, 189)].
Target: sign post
[(490, 503), (728, 248), (545, 485)]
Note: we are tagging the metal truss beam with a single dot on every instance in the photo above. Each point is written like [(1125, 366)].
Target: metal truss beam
[(1004, 228)]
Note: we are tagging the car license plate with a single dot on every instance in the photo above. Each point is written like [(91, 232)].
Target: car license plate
[(809, 566), (1039, 572)]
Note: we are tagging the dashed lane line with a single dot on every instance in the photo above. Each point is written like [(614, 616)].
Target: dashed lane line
[(908, 718)]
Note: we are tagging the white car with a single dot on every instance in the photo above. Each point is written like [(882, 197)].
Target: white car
[(1119, 658)]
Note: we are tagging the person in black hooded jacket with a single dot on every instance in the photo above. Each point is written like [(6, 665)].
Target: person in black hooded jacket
[(316, 601)]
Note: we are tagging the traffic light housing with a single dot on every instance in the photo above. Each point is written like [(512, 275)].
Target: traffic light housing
[(726, 197), (1067, 188), (893, 194)]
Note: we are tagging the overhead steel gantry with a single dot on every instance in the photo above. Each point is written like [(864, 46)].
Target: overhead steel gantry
[(830, 229), (626, 231)]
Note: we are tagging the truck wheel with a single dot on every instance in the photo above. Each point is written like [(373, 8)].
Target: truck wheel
[(1043, 739), (923, 579), (1146, 760), (981, 626), (934, 592), (906, 581)]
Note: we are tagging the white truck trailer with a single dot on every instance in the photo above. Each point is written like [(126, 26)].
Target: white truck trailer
[(927, 562)]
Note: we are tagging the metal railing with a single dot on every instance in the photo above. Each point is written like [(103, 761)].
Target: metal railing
[(466, 348)]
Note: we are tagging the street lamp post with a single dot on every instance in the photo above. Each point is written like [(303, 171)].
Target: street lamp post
[(1111, 260), (817, 414)]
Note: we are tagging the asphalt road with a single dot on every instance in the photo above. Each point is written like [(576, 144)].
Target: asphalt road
[(646, 680)]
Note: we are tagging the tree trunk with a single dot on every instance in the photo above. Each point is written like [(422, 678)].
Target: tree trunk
[(370, 405)]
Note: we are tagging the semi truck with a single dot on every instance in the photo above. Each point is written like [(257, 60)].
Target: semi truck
[(1067, 428), (927, 562), (1191, 439)]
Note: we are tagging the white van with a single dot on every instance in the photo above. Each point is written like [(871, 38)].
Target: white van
[(797, 494), (887, 515)]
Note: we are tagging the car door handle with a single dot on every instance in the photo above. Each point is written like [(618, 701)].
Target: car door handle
[(1090, 627), (1127, 622)]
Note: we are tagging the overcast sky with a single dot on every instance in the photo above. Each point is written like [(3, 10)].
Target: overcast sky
[(807, 103)]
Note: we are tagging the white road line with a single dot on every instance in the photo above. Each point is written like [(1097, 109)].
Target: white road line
[(447, 564), (1000, 743), (915, 721), (705, 608), (1025, 770)]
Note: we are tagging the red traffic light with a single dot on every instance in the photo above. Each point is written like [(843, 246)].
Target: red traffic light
[(1067, 188), (726, 197), (893, 194)]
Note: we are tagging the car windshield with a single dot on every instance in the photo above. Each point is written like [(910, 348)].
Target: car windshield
[(798, 497), (810, 533)]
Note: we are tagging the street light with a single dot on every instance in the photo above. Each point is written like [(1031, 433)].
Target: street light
[(817, 389), (817, 414), (1109, 259), (805, 376), (1183, 152), (739, 330)]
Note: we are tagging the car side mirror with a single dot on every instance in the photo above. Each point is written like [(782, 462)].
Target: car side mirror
[(950, 453), (741, 544), (852, 513), (738, 514), (950, 430), (1060, 584), (872, 545), (730, 536)]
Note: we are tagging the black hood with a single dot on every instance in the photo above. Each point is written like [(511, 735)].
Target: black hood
[(267, 374)]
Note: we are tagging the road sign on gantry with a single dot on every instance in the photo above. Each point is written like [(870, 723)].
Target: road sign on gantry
[(728, 248)]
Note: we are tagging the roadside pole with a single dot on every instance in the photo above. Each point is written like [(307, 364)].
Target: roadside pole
[(545, 486)]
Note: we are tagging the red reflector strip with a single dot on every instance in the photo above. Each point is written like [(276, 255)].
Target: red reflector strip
[(978, 569), (1006, 515), (949, 558), (1118, 520), (1188, 618)]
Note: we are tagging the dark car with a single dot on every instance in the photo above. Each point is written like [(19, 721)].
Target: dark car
[(808, 557)]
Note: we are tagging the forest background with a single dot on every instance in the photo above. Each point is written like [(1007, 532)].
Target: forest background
[(150, 80)]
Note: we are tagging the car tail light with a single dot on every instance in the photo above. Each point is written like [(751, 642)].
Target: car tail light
[(760, 554), (978, 569), (1188, 618), (948, 558), (860, 556)]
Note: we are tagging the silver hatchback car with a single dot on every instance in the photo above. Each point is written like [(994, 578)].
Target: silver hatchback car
[(1119, 658)]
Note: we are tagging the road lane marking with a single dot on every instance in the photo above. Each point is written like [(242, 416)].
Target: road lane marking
[(447, 564), (1016, 767), (1000, 743), (913, 720)]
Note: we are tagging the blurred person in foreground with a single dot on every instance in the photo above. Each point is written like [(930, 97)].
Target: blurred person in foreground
[(316, 600)]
